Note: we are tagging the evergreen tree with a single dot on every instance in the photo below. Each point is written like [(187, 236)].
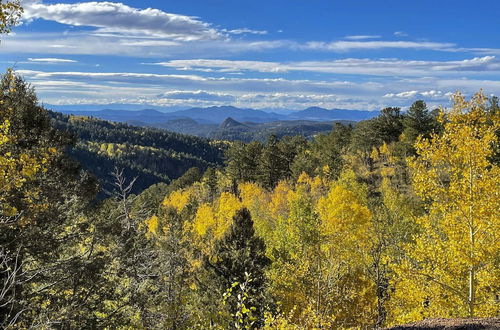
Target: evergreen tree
[(238, 257), (242, 161), (387, 127), (271, 163), (47, 212), (418, 121)]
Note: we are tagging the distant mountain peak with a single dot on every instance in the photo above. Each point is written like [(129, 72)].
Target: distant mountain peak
[(230, 122), (315, 108)]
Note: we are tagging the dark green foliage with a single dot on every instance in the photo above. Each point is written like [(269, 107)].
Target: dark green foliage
[(418, 121), (170, 301), (387, 127), (324, 150), (242, 161), (188, 178), (47, 233), (210, 177), (272, 164), (287, 158), (238, 253), (262, 131), (151, 155)]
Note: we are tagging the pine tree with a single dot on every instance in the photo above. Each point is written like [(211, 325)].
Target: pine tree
[(238, 257), (271, 163), (46, 208)]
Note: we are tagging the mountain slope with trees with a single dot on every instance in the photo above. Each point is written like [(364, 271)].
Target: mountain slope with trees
[(387, 222), (151, 155)]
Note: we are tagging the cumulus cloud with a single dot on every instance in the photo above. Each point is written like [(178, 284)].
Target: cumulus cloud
[(51, 60), (400, 34), (434, 94), (403, 95), (116, 17), (428, 95)]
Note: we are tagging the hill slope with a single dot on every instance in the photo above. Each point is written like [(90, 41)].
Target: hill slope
[(153, 155)]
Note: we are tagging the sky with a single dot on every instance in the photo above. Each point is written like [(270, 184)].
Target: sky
[(273, 54)]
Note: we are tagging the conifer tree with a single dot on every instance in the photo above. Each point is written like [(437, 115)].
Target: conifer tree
[(238, 256), (45, 209)]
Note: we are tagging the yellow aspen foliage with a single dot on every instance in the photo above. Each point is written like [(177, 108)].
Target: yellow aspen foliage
[(204, 220), (294, 244), (178, 199), (346, 229), (452, 270), (216, 219), (317, 185), (227, 205), (15, 171), (256, 199), (344, 216), (341, 212), (278, 205), (319, 251), (152, 224)]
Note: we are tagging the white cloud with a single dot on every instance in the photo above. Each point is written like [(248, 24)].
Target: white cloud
[(195, 90), (345, 46), (223, 65), (81, 43), (246, 31), (51, 60), (117, 17), (403, 95), (196, 82), (197, 95), (434, 94), (400, 34), (382, 67)]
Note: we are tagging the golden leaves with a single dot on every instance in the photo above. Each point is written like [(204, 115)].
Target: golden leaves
[(451, 267)]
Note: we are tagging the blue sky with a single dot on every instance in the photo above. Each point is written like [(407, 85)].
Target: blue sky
[(274, 54)]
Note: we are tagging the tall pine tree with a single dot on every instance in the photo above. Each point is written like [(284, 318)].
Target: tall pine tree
[(239, 257)]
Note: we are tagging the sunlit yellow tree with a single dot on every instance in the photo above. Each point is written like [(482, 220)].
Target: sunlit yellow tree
[(346, 227), (453, 267)]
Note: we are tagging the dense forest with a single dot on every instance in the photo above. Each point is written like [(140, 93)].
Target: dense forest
[(150, 155), (392, 220)]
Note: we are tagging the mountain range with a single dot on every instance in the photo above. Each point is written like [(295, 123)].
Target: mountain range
[(217, 114), (231, 123)]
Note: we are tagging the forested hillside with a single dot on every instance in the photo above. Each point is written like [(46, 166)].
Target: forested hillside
[(392, 221), (149, 154), (248, 132), (239, 130)]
